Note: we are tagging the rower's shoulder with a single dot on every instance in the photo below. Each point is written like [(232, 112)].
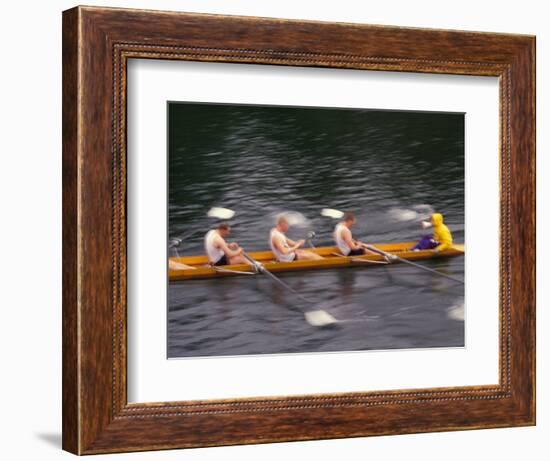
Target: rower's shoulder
[(215, 235), (276, 235)]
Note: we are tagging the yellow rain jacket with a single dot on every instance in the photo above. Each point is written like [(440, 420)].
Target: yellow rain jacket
[(442, 234)]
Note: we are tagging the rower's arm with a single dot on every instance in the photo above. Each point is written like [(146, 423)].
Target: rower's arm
[(346, 235), (279, 243), (290, 242), (222, 245)]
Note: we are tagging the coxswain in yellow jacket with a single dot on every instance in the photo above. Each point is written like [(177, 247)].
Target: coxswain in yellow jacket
[(441, 238), (441, 233)]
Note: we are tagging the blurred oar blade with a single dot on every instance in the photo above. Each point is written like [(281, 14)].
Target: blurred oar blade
[(332, 213), (319, 318), (220, 213)]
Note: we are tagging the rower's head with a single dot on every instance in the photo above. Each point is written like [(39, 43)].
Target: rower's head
[(349, 219), (437, 219), (282, 224), (224, 229)]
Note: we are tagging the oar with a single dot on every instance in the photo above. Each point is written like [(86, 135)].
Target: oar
[(316, 318), (231, 271), (359, 260), (391, 256)]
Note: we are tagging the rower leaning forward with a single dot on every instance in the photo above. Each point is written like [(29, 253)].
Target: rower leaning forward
[(343, 237), (286, 250), (218, 251)]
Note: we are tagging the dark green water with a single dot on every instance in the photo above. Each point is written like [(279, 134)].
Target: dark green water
[(391, 168)]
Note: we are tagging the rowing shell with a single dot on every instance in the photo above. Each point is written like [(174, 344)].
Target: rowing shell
[(331, 259)]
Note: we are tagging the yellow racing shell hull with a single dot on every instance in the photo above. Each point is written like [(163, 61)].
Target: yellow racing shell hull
[(332, 259)]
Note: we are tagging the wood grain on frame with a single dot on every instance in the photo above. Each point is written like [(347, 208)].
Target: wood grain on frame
[(97, 43)]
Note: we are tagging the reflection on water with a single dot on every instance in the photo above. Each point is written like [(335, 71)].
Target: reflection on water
[(391, 168)]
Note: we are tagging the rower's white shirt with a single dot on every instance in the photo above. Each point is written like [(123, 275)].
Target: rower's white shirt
[(276, 233), (214, 254), (339, 238)]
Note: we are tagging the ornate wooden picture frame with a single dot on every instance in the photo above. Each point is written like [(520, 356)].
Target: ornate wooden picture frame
[(97, 44)]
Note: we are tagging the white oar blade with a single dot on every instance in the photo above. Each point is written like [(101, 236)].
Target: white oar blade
[(220, 213), (332, 213), (319, 318)]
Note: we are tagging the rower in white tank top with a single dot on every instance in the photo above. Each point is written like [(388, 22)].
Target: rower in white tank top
[(214, 254), (340, 242), (278, 255)]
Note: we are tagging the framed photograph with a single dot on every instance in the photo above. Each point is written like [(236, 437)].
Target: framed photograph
[(281, 230)]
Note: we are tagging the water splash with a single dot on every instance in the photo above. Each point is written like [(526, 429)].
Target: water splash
[(415, 213), (294, 218), (402, 214), (424, 211)]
